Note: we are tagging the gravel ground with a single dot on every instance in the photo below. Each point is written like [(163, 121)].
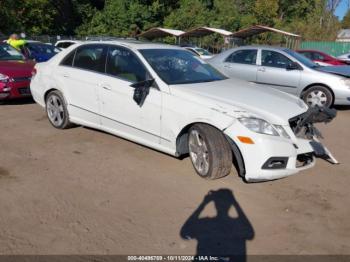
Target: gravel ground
[(81, 191)]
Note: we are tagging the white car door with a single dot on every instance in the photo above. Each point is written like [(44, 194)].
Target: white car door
[(274, 71), (241, 64), (120, 113), (81, 82)]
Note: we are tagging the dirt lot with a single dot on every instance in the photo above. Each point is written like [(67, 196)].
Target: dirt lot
[(81, 191)]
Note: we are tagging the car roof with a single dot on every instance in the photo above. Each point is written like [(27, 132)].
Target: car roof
[(135, 44), (69, 41), (261, 46)]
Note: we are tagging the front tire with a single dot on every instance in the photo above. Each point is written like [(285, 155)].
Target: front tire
[(56, 109), (209, 151), (318, 96)]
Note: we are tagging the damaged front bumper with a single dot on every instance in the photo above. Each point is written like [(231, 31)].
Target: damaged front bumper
[(272, 157), (303, 126)]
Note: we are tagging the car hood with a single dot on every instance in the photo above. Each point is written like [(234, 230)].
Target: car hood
[(337, 70), (16, 68), (239, 98)]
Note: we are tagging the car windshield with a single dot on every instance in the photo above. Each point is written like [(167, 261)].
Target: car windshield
[(180, 67), (301, 58), (202, 51), (9, 53), (43, 49)]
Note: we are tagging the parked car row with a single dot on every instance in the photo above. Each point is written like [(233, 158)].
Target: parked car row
[(15, 73), (287, 71), (322, 58), (16, 67), (169, 99), (39, 52)]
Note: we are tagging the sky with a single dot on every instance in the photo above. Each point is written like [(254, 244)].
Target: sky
[(342, 8)]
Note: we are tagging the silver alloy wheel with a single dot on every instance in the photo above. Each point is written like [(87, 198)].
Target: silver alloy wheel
[(317, 98), (55, 110), (198, 152)]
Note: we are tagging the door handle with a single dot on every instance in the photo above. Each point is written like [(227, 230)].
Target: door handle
[(106, 87), (227, 66), (65, 75), (262, 69)]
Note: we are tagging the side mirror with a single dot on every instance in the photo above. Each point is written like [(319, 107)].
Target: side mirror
[(293, 66), (141, 91)]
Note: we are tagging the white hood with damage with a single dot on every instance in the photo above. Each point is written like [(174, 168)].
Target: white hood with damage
[(236, 97)]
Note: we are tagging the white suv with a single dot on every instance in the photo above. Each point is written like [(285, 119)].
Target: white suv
[(165, 98)]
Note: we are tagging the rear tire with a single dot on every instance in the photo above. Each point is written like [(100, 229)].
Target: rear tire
[(56, 109), (209, 151), (318, 96)]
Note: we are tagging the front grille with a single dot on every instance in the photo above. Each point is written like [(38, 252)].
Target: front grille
[(21, 79)]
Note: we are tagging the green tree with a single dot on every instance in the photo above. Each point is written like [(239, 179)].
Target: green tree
[(266, 11), (190, 14), (32, 17), (345, 23), (45, 16), (319, 25), (126, 17), (225, 15)]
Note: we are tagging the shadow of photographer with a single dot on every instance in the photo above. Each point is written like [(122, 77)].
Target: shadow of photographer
[(222, 235)]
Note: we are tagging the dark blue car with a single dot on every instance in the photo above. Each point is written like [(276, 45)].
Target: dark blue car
[(39, 52)]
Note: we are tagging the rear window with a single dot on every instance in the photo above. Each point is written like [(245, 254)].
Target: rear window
[(7, 52)]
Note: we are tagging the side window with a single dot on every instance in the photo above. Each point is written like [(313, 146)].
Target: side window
[(243, 57), (274, 59), (307, 54), (318, 56), (91, 57), (124, 64), (68, 60)]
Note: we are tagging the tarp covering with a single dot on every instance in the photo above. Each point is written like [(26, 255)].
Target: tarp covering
[(258, 29), (160, 32), (203, 31)]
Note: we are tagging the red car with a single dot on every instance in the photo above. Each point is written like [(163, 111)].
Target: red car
[(321, 58), (15, 73)]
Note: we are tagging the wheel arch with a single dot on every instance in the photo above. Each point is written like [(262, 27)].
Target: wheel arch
[(182, 147), (47, 92), (318, 84)]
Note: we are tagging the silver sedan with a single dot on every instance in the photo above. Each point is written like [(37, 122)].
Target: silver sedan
[(285, 70)]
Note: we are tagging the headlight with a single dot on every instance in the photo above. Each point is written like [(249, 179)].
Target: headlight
[(258, 125), (282, 131), (4, 78)]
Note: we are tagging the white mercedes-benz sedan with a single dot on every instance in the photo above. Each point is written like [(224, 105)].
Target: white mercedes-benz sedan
[(166, 98)]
